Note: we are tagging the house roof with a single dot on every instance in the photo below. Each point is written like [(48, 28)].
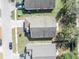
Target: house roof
[(41, 26), (42, 50), (41, 21), (39, 4)]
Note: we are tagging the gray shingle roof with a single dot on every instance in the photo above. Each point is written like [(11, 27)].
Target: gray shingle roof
[(41, 21), (40, 51), (39, 4), (43, 32), (41, 26)]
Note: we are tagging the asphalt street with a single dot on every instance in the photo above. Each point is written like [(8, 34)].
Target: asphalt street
[(6, 27), (7, 24)]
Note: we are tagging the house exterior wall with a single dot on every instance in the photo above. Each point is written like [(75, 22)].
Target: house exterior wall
[(39, 4), (48, 57), (47, 51)]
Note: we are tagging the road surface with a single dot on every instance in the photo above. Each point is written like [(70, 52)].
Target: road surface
[(6, 28)]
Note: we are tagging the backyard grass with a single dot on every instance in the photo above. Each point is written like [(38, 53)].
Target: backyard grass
[(23, 40), (58, 6), (22, 16), (75, 53), (1, 56), (14, 41), (71, 55)]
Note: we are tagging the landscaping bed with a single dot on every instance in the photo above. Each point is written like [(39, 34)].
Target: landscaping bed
[(21, 15), (22, 40)]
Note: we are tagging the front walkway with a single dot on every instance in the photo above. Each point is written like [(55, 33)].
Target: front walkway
[(17, 23)]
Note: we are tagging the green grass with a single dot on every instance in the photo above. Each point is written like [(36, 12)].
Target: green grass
[(19, 0), (71, 56), (21, 43), (75, 52), (58, 6), (68, 56)]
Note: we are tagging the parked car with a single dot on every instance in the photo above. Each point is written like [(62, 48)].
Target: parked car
[(20, 8), (10, 45), (19, 3)]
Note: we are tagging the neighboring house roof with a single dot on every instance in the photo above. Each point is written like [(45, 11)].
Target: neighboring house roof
[(43, 51), (41, 21), (41, 26), (39, 4)]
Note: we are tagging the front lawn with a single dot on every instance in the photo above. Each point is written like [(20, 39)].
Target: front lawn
[(23, 40)]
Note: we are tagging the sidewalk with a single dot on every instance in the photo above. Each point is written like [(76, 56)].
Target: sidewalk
[(17, 23), (16, 56)]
